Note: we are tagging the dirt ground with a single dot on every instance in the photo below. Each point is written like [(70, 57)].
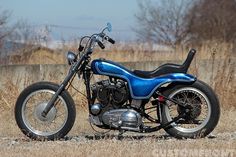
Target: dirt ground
[(129, 145), (83, 141)]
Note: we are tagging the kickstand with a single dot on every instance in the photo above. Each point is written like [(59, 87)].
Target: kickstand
[(120, 134)]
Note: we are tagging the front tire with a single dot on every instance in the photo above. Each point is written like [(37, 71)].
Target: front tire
[(30, 105), (199, 95)]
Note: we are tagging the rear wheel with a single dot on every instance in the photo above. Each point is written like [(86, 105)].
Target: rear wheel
[(32, 102), (202, 118)]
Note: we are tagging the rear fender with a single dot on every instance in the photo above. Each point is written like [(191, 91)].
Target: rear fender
[(185, 79), (144, 88), (178, 78)]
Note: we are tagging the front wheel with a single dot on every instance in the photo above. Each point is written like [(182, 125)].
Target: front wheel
[(32, 102), (202, 118)]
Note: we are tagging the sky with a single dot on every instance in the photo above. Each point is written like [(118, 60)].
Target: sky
[(72, 18)]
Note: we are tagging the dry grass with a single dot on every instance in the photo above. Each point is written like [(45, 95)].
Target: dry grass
[(14, 143), (128, 53), (139, 52), (8, 100), (83, 143), (220, 60)]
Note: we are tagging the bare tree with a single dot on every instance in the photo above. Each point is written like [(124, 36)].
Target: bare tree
[(24, 38), (23, 33), (212, 20), (5, 30), (45, 34), (163, 22)]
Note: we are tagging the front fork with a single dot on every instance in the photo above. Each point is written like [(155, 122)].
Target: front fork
[(73, 70), (86, 77)]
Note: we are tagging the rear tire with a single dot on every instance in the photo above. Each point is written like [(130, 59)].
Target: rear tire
[(212, 116), (25, 126)]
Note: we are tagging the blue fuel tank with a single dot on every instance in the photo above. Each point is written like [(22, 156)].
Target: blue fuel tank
[(140, 88)]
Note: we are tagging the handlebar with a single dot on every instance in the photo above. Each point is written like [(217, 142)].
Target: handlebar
[(110, 40), (95, 38), (88, 47), (104, 36)]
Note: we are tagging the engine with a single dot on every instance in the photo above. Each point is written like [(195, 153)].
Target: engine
[(110, 109), (124, 118), (113, 93)]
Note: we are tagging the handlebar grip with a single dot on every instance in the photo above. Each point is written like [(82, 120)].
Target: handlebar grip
[(101, 44), (111, 40)]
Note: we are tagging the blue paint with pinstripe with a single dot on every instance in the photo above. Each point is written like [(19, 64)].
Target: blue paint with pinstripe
[(140, 88)]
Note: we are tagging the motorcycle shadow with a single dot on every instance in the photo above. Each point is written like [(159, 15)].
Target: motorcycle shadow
[(118, 137)]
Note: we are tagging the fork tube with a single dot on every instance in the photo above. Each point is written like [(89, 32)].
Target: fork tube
[(86, 76), (72, 71)]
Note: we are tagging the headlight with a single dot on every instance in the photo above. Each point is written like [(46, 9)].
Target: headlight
[(71, 57)]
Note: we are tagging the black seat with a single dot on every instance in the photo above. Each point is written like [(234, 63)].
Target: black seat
[(168, 68)]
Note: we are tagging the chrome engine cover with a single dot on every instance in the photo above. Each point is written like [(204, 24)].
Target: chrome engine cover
[(124, 118)]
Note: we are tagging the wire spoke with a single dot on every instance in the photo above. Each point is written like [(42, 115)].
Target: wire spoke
[(55, 119), (198, 103)]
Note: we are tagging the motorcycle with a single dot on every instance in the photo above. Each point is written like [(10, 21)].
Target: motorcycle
[(184, 106)]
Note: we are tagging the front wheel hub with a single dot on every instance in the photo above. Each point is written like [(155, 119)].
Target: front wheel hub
[(39, 110)]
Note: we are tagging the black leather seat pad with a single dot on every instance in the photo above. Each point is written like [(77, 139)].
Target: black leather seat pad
[(167, 68), (162, 70)]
